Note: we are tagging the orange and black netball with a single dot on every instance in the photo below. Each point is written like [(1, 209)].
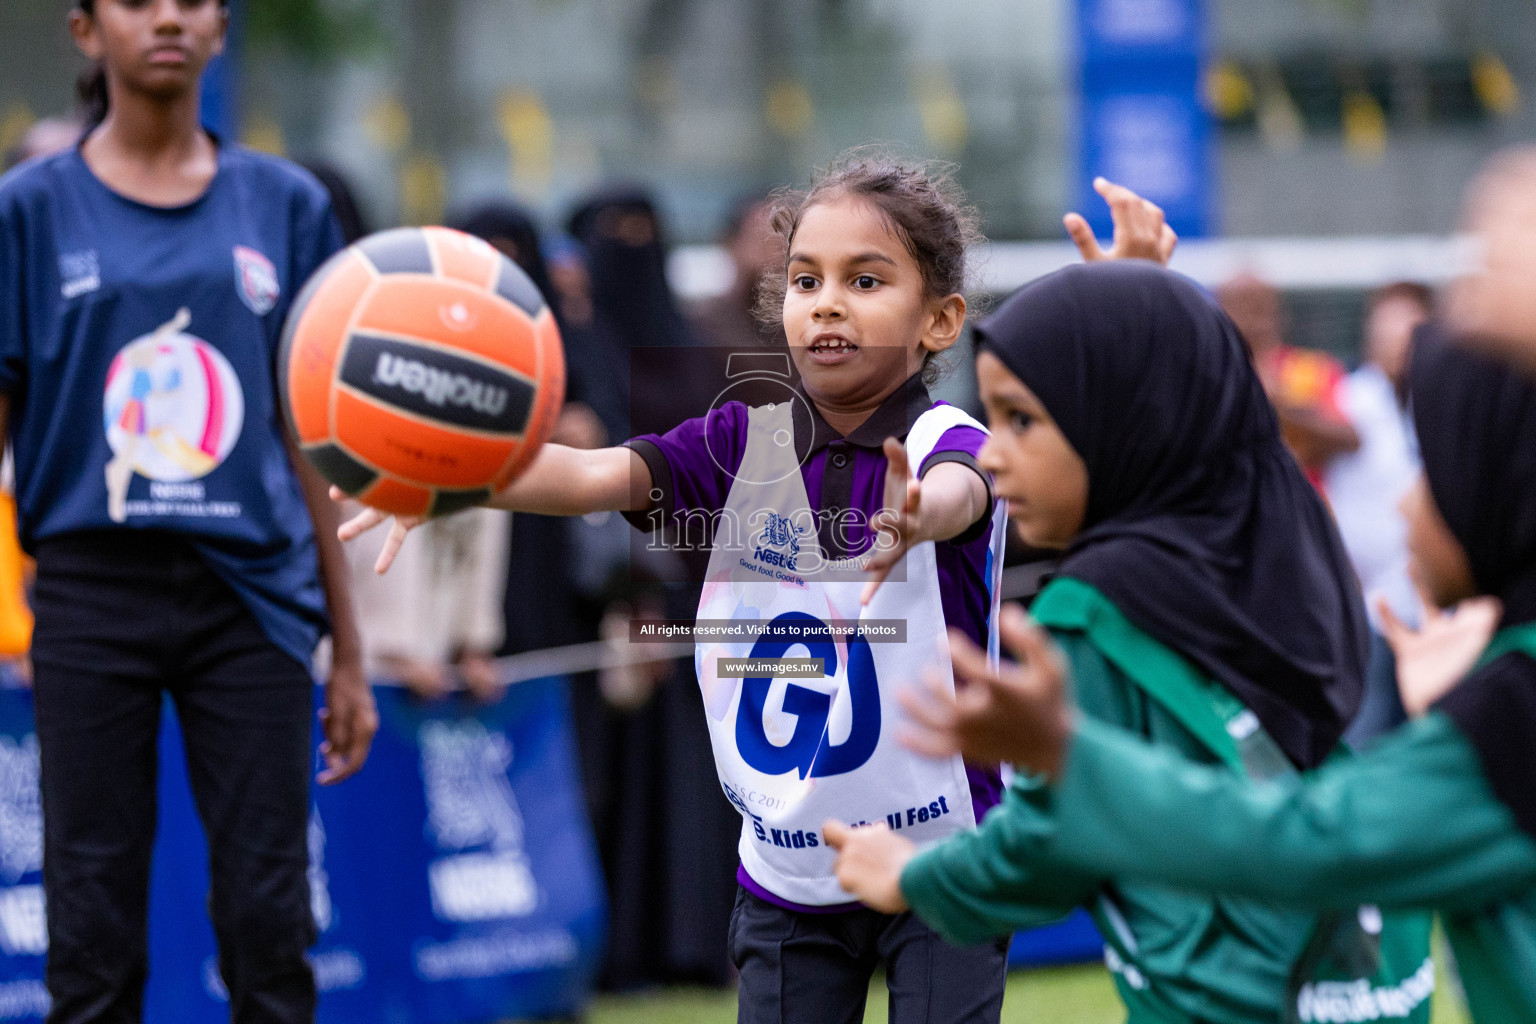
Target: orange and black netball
[(421, 370)]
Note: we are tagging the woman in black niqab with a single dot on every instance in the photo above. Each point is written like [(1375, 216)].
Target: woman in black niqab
[(1199, 526), (512, 230), (657, 374), (667, 836), (1476, 421)]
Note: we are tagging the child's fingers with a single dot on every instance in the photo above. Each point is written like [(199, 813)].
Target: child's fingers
[(1393, 628), (1012, 622), (836, 833), (336, 494), (1483, 612), (391, 548), (1082, 236), (929, 707), (937, 745), (359, 524), (1429, 611), (888, 550), (1031, 646), (878, 568), (968, 659), (1168, 240), (1122, 201)]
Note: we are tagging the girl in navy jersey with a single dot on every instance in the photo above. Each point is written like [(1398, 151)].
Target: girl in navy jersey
[(144, 276), (813, 493)]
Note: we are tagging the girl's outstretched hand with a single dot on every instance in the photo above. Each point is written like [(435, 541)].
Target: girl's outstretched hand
[(1016, 712), (1141, 229), (900, 523), (869, 863), (1435, 657), (366, 520)]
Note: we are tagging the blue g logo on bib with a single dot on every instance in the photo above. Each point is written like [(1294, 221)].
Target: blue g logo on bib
[(808, 751)]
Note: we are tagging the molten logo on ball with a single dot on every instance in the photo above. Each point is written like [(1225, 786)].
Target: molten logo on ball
[(450, 388), (438, 387)]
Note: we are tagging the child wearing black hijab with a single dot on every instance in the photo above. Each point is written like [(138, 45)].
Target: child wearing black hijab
[(1442, 813), (1203, 601)]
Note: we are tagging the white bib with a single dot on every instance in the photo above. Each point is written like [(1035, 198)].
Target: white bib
[(792, 753)]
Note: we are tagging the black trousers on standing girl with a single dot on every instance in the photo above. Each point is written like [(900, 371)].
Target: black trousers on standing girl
[(123, 617)]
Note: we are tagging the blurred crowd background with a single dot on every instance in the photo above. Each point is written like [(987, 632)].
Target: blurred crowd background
[(1313, 154)]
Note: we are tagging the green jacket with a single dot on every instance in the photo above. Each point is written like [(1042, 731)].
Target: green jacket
[(1411, 824), (1178, 956)]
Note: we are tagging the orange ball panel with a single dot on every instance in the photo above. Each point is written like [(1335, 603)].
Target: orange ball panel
[(413, 449), (551, 397), (316, 343), (464, 257), (396, 496), (475, 321)]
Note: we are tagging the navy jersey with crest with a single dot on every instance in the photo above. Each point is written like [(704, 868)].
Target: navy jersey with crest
[(138, 347)]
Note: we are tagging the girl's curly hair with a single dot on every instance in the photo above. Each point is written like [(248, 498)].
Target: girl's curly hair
[(922, 203)]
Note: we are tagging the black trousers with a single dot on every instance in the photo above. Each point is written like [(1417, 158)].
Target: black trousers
[(801, 968), (122, 618)]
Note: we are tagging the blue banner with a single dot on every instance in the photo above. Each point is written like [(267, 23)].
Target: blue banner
[(454, 880), (1141, 118), (23, 932)]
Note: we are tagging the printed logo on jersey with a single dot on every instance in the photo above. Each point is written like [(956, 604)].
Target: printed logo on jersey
[(173, 411), (780, 543), (799, 737), (256, 280), (80, 273)]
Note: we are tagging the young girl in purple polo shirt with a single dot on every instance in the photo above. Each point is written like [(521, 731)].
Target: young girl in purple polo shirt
[(849, 525)]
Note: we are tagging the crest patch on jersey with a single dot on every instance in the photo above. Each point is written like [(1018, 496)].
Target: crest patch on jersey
[(256, 280)]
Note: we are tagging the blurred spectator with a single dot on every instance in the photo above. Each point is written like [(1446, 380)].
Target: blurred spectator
[(50, 135), (1364, 487), (1302, 384), (1496, 306), (666, 833), (729, 320), (349, 212), (434, 620), (541, 607)]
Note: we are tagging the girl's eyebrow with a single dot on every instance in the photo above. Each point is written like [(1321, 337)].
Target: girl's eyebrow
[(863, 257)]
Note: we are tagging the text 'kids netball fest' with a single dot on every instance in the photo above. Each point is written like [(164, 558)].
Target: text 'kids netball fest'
[(829, 511)]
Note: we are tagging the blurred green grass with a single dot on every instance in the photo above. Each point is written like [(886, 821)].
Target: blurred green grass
[(1059, 995)]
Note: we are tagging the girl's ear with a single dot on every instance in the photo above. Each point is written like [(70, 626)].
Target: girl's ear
[(82, 28), (947, 317)]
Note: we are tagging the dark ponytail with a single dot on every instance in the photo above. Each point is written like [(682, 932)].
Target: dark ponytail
[(91, 86)]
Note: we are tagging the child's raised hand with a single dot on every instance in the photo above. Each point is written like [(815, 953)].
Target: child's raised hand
[(1434, 658), (366, 520), (869, 863), (1141, 229), (899, 524), (1015, 712)]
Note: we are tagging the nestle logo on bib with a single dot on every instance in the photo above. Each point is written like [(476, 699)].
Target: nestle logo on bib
[(439, 385)]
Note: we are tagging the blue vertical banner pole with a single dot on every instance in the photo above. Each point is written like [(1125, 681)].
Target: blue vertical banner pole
[(1140, 112), (221, 107)]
